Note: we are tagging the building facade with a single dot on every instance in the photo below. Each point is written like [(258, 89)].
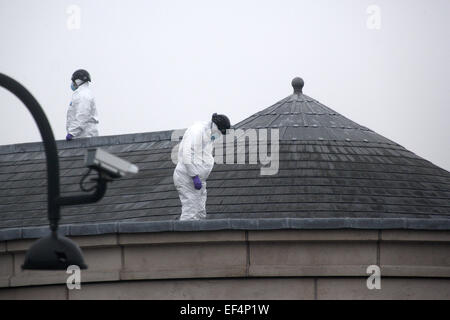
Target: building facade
[(343, 201)]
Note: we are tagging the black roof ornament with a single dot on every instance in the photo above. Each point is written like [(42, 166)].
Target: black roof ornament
[(297, 84)]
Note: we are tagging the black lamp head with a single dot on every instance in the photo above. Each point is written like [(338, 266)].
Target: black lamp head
[(53, 252)]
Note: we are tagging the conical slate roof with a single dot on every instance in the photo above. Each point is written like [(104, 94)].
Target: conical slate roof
[(300, 117), (333, 167), (329, 168)]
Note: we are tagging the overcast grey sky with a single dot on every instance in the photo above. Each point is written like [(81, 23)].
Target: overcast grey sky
[(160, 65)]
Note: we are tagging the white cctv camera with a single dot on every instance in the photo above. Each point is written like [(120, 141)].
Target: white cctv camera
[(115, 167)]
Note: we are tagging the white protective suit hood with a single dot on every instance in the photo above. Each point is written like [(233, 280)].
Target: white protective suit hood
[(82, 118)]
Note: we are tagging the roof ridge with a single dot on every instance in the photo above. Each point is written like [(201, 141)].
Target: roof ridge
[(90, 142)]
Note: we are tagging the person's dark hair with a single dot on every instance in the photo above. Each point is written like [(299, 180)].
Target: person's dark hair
[(222, 122), (82, 75)]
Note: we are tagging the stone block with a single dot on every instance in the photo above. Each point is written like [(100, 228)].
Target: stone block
[(204, 289), (415, 235), (58, 292), (415, 259), (6, 268), (19, 245), (313, 235), (103, 265), (181, 237), (103, 240), (311, 258), (391, 288), (184, 260)]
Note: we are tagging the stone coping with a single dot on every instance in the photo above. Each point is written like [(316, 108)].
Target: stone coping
[(228, 224)]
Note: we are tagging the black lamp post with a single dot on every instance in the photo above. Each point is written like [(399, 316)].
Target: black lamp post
[(53, 252)]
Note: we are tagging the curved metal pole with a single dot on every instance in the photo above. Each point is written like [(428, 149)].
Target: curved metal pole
[(99, 192), (48, 139)]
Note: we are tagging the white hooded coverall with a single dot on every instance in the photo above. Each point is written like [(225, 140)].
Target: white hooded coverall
[(82, 115), (194, 158)]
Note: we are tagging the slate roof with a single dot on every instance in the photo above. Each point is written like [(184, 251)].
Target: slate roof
[(302, 118), (334, 173)]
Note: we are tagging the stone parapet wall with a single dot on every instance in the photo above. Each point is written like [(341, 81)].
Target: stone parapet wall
[(235, 264)]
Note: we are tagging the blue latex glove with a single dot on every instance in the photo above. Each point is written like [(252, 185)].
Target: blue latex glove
[(69, 137), (197, 182)]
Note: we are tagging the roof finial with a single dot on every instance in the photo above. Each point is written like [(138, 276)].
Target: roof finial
[(298, 84)]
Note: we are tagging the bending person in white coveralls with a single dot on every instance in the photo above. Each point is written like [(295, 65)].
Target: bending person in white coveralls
[(82, 115), (195, 162)]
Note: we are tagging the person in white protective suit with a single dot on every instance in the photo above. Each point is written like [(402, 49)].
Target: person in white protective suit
[(82, 118), (195, 162)]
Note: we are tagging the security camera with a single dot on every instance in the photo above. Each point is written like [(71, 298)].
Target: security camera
[(103, 161)]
